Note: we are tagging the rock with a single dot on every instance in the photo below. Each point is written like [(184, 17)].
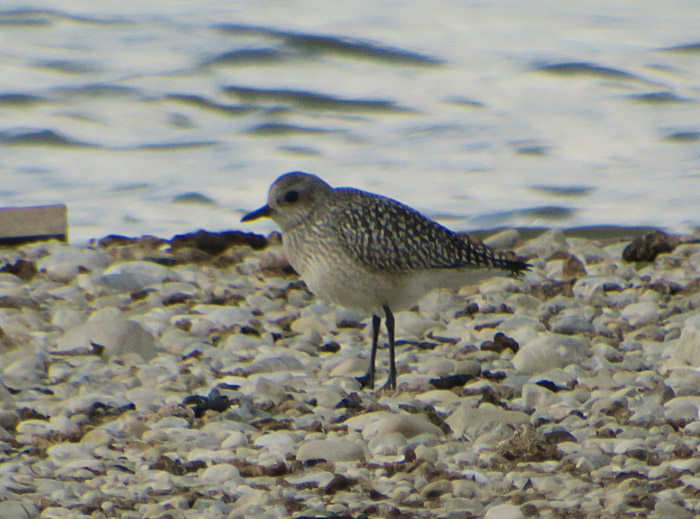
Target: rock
[(424, 453), (686, 349), (438, 303), (309, 323), (469, 422), (535, 396), (674, 277), (649, 246), (23, 269), (571, 325), (497, 285), (549, 351), (14, 509), (131, 276), (468, 367), (216, 242), (504, 511), (223, 316), (234, 440), (109, 329), (666, 509), (8, 419), (504, 240), (29, 369), (592, 286), (97, 438), (78, 257), (437, 368), (500, 343), (640, 314), (388, 444), (439, 396), (435, 489), (573, 268), (412, 325), (62, 272), (220, 474), (235, 415), (409, 425), (317, 478), (682, 409), (273, 364), (684, 382), (66, 317), (280, 442), (330, 450), (354, 366), (544, 245)]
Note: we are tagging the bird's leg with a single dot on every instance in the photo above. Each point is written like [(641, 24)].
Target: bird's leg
[(367, 380), (389, 320)]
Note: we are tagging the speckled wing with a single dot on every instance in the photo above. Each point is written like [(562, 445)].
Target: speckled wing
[(385, 235)]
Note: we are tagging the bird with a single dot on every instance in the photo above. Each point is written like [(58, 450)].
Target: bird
[(372, 254)]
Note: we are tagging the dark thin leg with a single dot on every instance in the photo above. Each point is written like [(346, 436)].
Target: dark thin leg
[(389, 320), (367, 380)]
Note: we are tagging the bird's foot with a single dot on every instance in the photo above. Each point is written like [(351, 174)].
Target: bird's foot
[(390, 384), (366, 380)]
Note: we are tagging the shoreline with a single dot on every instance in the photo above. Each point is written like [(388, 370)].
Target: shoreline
[(197, 377)]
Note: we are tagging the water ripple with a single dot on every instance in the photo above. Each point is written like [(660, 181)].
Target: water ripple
[(659, 98), (582, 68), (11, 99), (312, 100), (277, 129), (39, 137), (338, 45), (248, 57), (204, 103)]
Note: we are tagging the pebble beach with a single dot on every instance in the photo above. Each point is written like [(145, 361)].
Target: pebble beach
[(197, 377)]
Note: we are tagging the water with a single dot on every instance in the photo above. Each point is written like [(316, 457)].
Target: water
[(163, 117)]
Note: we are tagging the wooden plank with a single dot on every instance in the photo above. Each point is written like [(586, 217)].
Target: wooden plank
[(23, 224)]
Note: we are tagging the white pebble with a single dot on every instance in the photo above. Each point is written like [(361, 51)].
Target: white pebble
[(331, 450)]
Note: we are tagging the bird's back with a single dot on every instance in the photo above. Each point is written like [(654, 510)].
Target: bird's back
[(384, 235)]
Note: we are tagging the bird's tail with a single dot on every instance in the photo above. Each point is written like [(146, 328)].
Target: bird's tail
[(486, 256)]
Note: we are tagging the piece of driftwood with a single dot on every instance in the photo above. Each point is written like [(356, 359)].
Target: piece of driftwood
[(24, 224)]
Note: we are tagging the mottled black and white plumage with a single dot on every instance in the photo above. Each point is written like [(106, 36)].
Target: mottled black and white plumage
[(387, 236), (371, 253)]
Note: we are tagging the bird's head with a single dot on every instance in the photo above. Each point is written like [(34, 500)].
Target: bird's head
[(291, 199)]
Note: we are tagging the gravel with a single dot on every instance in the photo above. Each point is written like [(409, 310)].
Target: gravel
[(148, 378)]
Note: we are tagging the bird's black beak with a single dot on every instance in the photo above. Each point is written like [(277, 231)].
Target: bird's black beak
[(263, 212)]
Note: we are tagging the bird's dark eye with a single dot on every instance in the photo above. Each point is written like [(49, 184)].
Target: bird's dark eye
[(291, 196)]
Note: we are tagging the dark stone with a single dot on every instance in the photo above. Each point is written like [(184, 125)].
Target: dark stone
[(500, 343), (330, 347), (450, 381), (573, 268), (469, 311), (560, 436), (217, 242), (649, 246), (548, 384), (353, 401), (23, 269), (339, 482), (215, 402), (176, 299), (116, 240)]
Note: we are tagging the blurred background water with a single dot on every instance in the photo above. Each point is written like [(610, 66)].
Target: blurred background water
[(165, 116)]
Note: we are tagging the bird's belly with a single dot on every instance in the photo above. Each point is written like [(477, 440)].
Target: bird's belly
[(358, 289), (349, 286), (340, 280)]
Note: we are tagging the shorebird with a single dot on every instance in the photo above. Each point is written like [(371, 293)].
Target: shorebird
[(370, 253)]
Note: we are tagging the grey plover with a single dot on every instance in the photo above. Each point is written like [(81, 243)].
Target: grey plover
[(370, 253)]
